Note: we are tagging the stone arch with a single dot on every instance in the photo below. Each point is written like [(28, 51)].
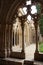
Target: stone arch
[(1, 6), (13, 10), (9, 21)]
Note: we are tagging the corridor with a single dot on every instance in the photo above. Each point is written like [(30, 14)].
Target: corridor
[(29, 51)]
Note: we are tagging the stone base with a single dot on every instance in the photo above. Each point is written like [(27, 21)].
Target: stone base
[(2, 53), (38, 57), (27, 62), (19, 55), (10, 61), (13, 61)]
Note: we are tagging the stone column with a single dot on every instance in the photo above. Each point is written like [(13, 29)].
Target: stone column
[(2, 40), (22, 26), (22, 20), (17, 36), (14, 37), (36, 31), (11, 38), (5, 41), (9, 41), (36, 55)]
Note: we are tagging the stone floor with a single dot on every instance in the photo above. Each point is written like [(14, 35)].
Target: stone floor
[(21, 61), (38, 63), (29, 53)]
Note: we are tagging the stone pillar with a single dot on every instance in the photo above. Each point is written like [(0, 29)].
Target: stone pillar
[(2, 40), (36, 51), (14, 37), (5, 41), (22, 26), (22, 20), (36, 31), (11, 38), (17, 36)]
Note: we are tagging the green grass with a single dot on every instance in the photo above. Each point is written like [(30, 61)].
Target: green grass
[(41, 47)]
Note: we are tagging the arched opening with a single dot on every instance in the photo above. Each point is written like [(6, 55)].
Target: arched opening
[(29, 38), (40, 35), (28, 22), (30, 44), (17, 36), (20, 35)]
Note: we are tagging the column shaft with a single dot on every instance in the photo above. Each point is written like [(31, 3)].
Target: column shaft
[(22, 25), (5, 42), (36, 31), (11, 38), (36, 39)]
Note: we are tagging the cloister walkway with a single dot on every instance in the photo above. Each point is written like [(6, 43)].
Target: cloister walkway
[(29, 55), (29, 51)]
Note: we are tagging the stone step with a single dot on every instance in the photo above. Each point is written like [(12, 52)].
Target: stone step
[(28, 62), (38, 63), (12, 61)]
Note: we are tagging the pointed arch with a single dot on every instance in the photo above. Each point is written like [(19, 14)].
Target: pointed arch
[(13, 10)]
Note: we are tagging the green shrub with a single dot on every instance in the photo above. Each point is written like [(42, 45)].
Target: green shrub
[(41, 46)]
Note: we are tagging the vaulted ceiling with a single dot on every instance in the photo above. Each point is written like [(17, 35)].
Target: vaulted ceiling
[(8, 9)]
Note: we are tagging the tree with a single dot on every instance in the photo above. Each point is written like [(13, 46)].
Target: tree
[(38, 6), (41, 25)]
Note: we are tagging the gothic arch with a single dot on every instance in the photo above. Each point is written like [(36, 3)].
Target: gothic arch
[(1, 5), (12, 10)]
